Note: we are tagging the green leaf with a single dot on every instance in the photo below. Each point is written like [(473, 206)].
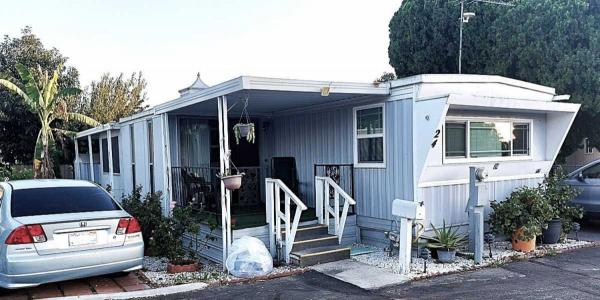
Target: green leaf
[(66, 92), (82, 119), (15, 89), (31, 87)]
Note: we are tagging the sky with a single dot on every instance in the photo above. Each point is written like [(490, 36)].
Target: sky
[(171, 41)]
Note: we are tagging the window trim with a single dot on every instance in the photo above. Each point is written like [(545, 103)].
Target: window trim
[(355, 136), (102, 156), (468, 159)]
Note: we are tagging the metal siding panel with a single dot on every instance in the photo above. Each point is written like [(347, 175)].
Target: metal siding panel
[(326, 137)]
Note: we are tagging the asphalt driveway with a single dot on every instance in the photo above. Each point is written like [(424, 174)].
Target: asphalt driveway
[(574, 275)]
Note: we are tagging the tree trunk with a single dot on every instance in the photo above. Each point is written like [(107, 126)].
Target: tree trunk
[(43, 168)]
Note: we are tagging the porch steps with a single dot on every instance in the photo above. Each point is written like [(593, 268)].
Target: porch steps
[(319, 255), (314, 245)]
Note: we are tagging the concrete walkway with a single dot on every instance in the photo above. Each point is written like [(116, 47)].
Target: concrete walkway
[(360, 274)]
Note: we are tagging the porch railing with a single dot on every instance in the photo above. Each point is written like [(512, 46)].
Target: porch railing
[(323, 206), (274, 189), (342, 174), (200, 188)]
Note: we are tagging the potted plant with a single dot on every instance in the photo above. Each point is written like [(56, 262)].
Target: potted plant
[(522, 216), (230, 180), (445, 241), (559, 195), (172, 230), (244, 128)]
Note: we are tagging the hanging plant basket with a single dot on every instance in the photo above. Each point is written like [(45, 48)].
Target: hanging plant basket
[(232, 182), (244, 130)]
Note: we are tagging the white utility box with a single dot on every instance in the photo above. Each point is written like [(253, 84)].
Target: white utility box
[(408, 209)]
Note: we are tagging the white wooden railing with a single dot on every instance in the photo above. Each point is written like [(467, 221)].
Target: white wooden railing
[(275, 216), (324, 209)]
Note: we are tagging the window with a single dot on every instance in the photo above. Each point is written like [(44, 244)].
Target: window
[(482, 140), (456, 143), (132, 154), (115, 155), (369, 136), (34, 202), (151, 154), (592, 172), (587, 147)]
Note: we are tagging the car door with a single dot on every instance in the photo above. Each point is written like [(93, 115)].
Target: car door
[(588, 182)]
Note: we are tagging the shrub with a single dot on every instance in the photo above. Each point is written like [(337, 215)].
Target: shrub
[(162, 235), (560, 195), (525, 208)]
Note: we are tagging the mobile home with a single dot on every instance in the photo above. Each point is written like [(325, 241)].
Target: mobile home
[(330, 153)]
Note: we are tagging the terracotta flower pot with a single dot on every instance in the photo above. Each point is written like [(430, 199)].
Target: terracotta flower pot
[(180, 266), (520, 245), (232, 182)]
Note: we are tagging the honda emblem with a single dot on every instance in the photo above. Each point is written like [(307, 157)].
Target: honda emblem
[(82, 224)]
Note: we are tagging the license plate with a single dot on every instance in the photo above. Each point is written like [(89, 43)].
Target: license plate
[(82, 238)]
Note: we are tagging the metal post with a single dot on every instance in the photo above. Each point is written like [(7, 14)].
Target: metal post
[(91, 158), (111, 176), (475, 209), (404, 247), (462, 11), (76, 164), (223, 166)]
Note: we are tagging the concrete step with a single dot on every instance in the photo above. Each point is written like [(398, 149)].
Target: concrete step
[(310, 241), (308, 231), (319, 255)]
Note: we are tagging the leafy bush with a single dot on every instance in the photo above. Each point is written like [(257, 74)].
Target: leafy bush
[(525, 208), (162, 235), (15, 172), (560, 195)]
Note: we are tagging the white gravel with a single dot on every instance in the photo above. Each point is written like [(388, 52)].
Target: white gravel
[(155, 269), (501, 252)]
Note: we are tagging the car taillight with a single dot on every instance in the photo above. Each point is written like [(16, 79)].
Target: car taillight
[(122, 227), (134, 226), (128, 225), (26, 234)]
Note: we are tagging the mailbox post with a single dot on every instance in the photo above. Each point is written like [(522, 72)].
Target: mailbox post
[(475, 209), (407, 211)]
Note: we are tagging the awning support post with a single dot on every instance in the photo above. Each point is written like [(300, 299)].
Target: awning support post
[(223, 167)]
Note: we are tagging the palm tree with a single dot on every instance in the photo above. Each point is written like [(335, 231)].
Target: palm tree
[(42, 96)]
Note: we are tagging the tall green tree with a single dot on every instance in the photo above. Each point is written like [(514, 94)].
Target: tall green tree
[(42, 96), (549, 42), (18, 125), (112, 98)]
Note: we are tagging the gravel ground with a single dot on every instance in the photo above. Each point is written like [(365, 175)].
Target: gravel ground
[(155, 269), (501, 252)]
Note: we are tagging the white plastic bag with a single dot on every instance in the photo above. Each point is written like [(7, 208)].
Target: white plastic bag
[(249, 258)]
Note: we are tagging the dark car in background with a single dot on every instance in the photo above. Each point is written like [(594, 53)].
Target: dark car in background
[(587, 180)]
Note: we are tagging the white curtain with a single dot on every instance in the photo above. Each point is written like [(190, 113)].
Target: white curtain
[(194, 137)]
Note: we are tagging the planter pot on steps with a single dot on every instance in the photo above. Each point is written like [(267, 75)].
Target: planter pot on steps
[(520, 245), (180, 266), (446, 255), (551, 235)]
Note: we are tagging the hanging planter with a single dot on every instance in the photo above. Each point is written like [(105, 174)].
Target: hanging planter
[(244, 128), (231, 181)]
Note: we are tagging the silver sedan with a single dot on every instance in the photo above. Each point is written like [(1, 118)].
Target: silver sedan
[(587, 180), (55, 230)]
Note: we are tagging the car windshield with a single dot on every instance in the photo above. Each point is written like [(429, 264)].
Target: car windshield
[(60, 200)]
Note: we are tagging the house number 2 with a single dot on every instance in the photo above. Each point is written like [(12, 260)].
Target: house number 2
[(435, 138)]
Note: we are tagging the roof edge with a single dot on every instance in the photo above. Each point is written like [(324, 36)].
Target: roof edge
[(470, 78)]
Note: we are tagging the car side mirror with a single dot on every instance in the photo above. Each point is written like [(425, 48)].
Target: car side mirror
[(580, 177)]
